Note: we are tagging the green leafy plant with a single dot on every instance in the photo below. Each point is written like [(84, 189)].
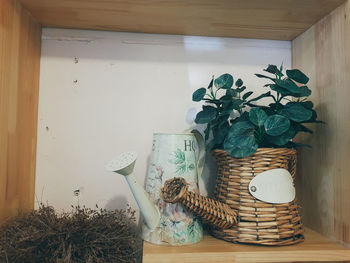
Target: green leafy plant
[(240, 126)]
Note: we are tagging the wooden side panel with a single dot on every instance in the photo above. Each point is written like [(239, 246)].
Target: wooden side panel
[(323, 52), (20, 40)]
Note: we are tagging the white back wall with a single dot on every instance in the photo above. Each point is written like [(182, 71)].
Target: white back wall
[(102, 93)]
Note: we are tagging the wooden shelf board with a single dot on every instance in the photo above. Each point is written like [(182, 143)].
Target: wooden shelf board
[(268, 19), (315, 248)]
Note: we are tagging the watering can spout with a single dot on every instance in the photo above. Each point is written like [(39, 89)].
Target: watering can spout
[(124, 165)]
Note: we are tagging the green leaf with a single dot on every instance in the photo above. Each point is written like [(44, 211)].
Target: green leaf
[(221, 132), (296, 112), (241, 128), (284, 138), (276, 105), (305, 129), (206, 115), (313, 118), (288, 85), (243, 117), (240, 140), (231, 92), (240, 146), (281, 90), (297, 75), (226, 98), (226, 112), (199, 94), (219, 121), (239, 90), (304, 91), (225, 81), (236, 103), (257, 116), (211, 83), (273, 70), (212, 101), (245, 96), (209, 108), (280, 74), (269, 111), (267, 94), (276, 125), (307, 104), (293, 90), (223, 119), (239, 83), (264, 77), (229, 106)]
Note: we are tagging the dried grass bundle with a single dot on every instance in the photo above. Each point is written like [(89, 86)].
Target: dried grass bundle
[(83, 235)]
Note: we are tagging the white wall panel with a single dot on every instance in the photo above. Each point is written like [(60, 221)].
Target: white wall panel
[(102, 93)]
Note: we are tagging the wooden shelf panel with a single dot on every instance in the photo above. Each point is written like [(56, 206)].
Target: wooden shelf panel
[(268, 19), (20, 44), (314, 249)]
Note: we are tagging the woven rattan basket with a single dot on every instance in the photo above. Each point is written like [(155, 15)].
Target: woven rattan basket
[(258, 222)]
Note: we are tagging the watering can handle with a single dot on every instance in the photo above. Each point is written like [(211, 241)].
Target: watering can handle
[(201, 151)]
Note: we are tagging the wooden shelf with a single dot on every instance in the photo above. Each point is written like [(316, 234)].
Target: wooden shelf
[(315, 249), (268, 19)]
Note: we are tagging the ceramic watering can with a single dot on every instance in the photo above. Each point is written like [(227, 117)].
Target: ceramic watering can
[(173, 155)]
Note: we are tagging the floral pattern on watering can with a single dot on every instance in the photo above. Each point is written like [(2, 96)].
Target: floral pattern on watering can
[(174, 155)]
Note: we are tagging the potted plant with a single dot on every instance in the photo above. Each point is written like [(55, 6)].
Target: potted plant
[(247, 138), (240, 126)]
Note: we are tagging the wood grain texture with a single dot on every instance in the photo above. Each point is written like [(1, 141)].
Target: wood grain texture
[(268, 19), (20, 40), (314, 249), (323, 53)]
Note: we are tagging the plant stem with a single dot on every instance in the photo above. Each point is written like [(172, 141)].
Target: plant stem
[(254, 105), (212, 93), (280, 99), (274, 99), (260, 138), (216, 92)]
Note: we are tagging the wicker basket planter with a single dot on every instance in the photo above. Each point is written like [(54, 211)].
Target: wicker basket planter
[(258, 222)]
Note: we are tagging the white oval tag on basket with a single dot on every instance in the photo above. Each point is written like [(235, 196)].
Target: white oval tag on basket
[(273, 186)]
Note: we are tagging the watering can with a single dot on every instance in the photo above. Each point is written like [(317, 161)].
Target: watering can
[(173, 155)]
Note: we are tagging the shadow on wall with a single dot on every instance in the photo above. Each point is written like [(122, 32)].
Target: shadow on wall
[(117, 202), (207, 182)]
